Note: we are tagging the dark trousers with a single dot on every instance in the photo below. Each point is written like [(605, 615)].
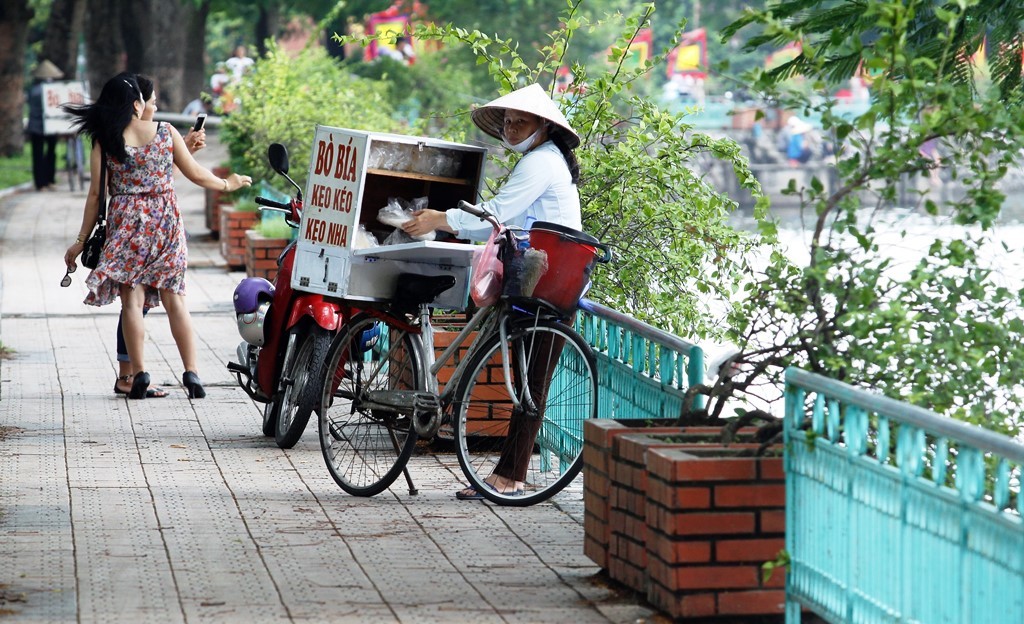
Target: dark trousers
[(122, 347), (522, 429), (44, 160)]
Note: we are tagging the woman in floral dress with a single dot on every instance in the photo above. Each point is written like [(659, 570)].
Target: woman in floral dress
[(144, 260)]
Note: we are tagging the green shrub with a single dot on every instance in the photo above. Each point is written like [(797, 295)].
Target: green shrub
[(285, 98), (275, 228)]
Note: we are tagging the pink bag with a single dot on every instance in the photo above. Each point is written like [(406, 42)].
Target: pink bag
[(488, 272)]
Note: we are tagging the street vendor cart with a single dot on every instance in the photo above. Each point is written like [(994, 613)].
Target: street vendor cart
[(352, 175)]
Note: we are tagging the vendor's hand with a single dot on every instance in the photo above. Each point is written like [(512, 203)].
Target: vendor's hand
[(195, 141), (424, 222), (72, 253)]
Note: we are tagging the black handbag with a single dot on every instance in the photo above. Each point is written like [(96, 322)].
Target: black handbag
[(94, 245)]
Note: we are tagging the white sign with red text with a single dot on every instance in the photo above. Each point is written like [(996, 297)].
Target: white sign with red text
[(56, 94), (330, 212)]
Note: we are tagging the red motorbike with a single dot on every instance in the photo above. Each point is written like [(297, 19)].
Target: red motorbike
[(286, 333)]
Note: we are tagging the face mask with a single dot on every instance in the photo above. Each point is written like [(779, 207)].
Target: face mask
[(522, 146)]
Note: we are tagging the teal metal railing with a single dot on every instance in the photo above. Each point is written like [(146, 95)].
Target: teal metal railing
[(897, 514), (643, 372)]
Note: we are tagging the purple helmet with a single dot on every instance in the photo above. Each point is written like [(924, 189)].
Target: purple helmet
[(250, 292)]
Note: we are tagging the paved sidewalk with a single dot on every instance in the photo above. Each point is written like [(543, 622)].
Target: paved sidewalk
[(171, 510)]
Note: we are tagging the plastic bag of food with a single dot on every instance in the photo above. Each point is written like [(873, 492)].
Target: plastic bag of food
[(398, 211)]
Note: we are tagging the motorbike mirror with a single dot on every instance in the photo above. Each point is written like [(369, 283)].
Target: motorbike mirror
[(277, 154)]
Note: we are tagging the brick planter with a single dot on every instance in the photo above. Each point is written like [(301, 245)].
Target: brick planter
[(683, 520), (261, 254), (234, 223), (446, 328), (214, 201)]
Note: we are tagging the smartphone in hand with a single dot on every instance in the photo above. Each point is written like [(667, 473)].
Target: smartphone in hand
[(200, 120)]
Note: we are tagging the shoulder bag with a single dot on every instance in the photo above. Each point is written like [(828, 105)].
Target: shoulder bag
[(94, 245)]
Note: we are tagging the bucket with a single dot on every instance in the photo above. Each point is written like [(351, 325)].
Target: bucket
[(571, 258)]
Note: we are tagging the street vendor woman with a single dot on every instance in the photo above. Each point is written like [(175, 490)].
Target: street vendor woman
[(542, 187)]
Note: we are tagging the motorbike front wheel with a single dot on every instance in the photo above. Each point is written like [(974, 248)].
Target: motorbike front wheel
[(301, 382)]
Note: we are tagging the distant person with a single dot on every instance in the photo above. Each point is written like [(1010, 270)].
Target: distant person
[(402, 52), (44, 146), (239, 64), (798, 149), (219, 79), (199, 105)]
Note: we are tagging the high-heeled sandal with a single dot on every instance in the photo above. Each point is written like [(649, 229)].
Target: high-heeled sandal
[(195, 387), (139, 386), (152, 393)]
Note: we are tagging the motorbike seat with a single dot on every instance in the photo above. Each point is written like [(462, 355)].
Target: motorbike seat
[(413, 290)]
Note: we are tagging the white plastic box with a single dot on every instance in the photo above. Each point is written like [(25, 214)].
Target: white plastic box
[(352, 174)]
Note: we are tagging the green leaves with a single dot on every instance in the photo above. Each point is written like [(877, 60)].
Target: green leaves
[(940, 334), (283, 100)]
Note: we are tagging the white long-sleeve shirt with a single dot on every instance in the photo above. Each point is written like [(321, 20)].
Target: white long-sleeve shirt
[(539, 189)]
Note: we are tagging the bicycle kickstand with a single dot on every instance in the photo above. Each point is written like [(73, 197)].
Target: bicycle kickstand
[(408, 479)]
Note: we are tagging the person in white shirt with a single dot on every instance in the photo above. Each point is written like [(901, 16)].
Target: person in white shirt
[(542, 187), (239, 63)]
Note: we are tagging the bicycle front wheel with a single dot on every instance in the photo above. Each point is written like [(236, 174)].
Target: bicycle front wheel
[(366, 443), (541, 445)]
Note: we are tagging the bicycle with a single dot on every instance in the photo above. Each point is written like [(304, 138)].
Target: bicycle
[(74, 159), (525, 367)]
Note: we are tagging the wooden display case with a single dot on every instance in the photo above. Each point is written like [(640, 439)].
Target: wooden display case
[(352, 175)]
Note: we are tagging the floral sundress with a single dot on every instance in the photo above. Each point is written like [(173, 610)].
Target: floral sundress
[(145, 234)]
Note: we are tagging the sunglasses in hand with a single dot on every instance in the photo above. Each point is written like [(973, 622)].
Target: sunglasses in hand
[(67, 276)]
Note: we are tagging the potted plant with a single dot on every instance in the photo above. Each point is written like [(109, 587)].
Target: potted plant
[(685, 518)]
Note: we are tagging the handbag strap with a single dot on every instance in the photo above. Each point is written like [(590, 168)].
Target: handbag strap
[(102, 213)]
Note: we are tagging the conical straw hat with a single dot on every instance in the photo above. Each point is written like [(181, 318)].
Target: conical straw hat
[(532, 99), (46, 70)]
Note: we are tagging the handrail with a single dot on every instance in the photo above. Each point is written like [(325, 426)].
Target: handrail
[(976, 437), (664, 370), (639, 327)]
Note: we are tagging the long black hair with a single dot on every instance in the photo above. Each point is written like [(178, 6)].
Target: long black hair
[(105, 119), (556, 136)]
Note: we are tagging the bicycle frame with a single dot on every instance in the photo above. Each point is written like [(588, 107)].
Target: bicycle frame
[(487, 321)]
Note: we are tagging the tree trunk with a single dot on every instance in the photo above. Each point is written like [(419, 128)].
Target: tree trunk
[(63, 31), (154, 37), (267, 26), (14, 19), (104, 48), (195, 51)]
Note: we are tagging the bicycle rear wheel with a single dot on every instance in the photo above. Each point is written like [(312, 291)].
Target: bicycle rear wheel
[(492, 435), (366, 445)]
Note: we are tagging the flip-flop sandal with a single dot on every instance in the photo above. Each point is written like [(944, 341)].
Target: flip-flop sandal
[(471, 493)]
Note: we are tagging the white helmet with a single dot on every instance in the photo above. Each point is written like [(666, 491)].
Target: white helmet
[(250, 324)]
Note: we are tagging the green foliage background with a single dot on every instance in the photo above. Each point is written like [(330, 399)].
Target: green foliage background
[(676, 254), (286, 97)]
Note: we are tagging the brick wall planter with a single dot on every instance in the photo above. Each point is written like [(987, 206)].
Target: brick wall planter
[(214, 201), (261, 254), (446, 328), (683, 520), (234, 223)]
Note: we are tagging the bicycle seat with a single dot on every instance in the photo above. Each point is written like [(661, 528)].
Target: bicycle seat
[(413, 290)]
